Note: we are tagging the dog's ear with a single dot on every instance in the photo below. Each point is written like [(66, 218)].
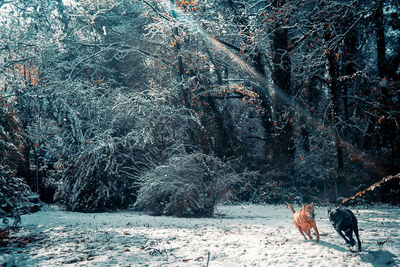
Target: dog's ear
[(312, 204)]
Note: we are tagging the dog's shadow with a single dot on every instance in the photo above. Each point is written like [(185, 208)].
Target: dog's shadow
[(332, 246), (375, 258), (379, 257)]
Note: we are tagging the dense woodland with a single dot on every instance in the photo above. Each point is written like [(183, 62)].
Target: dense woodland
[(171, 106)]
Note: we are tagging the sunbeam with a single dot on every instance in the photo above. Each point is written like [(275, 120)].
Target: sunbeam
[(240, 64)]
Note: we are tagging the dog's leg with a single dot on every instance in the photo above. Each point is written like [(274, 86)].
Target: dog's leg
[(342, 235), (301, 232), (314, 226), (308, 233), (349, 234), (357, 236)]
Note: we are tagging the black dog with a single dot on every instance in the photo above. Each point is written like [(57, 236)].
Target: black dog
[(345, 220)]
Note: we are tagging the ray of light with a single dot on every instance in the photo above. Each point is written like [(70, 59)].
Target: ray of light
[(233, 58)]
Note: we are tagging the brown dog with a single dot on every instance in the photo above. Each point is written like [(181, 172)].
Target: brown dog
[(304, 220)]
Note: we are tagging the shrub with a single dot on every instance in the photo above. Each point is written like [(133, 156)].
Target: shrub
[(187, 185), (14, 193), (14, 197), (95, 182)]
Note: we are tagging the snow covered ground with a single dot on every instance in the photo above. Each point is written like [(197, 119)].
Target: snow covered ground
[(244, 235)]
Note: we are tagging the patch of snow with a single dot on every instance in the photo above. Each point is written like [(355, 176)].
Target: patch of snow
[(243, 235)]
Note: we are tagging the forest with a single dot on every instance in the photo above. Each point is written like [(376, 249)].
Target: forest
[(170, 106)]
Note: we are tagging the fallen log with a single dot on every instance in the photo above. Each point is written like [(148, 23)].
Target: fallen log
[(385, 190)]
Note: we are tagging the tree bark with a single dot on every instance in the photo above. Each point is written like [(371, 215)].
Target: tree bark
[(334, 90), (283, 155), (380, 40)]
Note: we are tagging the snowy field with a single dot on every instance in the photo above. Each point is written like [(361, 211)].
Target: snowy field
[(244, 235)]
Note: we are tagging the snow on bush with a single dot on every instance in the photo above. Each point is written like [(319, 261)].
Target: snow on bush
[(14, 193), (94, 181), (187, 185), (14, 197)]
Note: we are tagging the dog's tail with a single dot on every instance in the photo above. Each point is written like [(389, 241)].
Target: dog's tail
[(290, 206)]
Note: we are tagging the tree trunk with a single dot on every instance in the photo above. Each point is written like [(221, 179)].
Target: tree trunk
[(259, 66), (334, 90), (283, 155), (380, 40)]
